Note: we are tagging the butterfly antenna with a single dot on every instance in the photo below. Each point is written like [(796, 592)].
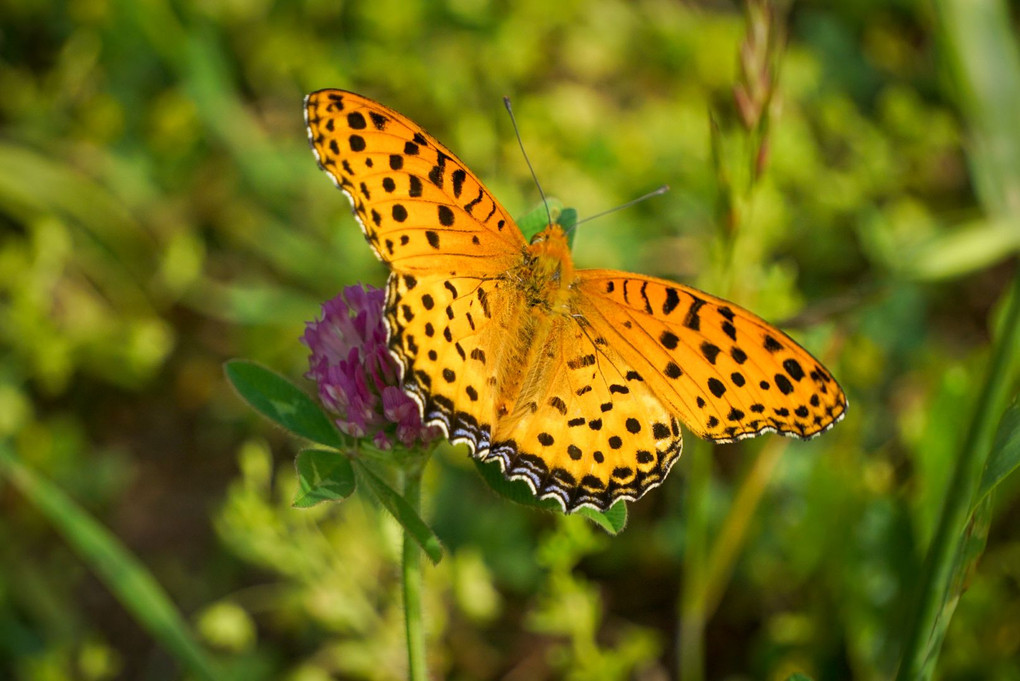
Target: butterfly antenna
[(655, 192), (520, 142)]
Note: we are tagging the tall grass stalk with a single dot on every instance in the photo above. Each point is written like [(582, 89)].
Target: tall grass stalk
[(922, 641), (984, 59), (121, 572)]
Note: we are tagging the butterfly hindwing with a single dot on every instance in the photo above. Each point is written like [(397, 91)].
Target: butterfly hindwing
[(584, 427), (420, 208), (446, 335), (544, 397), (727, 373)]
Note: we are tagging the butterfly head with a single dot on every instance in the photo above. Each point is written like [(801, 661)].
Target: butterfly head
[(550, 258)]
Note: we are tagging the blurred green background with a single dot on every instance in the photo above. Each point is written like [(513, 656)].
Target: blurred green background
[(160, 212)]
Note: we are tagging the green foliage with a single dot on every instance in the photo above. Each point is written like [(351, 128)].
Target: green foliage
[(281, 401), (405, 514), (612, 521), (323, 476), (570, 607), (849, 168), (1004, 458), (135, 587), (539, 217)]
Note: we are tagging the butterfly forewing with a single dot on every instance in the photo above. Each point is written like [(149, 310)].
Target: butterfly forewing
[(421, 209), (727, 373)]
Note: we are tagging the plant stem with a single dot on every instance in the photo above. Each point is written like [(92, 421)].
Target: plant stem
[(411, 574), (936, 573), (984, 59), (731, 536), (691, 641)]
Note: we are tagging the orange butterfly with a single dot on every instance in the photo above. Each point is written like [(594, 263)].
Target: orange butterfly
[(574, 381)]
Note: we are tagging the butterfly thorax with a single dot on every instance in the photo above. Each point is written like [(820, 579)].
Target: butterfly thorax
[(548, 270)]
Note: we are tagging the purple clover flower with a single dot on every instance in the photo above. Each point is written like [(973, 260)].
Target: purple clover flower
[(357, 378)]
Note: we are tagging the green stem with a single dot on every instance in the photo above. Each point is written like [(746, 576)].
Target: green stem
[(733, 533), (936, 573), (691, 643), (411, 574)]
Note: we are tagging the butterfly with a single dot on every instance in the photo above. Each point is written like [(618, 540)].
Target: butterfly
[(574, 381)]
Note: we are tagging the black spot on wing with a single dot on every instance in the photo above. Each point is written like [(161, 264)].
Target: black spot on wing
[(692, 320), (356, 121), (793, 368), (644, 297), (458, 176), (470, 206), (716, 387), (445, 216), (710, 351), (415, 187), (436, 173), (672, 300)]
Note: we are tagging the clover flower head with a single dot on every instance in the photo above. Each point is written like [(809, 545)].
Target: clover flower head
[(357, 378)]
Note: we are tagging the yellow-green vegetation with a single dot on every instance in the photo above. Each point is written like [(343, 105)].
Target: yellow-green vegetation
[(848, 170)]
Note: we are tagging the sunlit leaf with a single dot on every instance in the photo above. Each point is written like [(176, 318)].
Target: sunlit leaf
[(281, 401), (537, 219), (612, 520), (323, 475), (1005, 454), (965, 249)]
